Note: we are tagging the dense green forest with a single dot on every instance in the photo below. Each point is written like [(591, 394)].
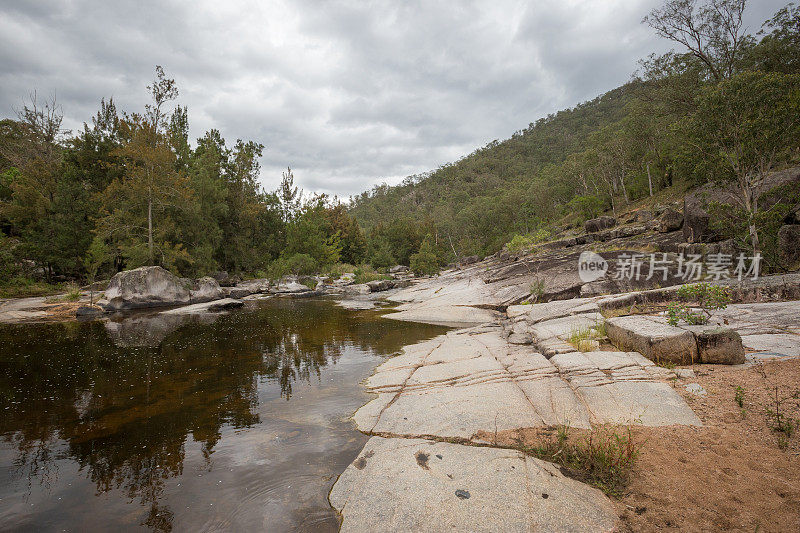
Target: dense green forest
[(721, 107), (130, 189)]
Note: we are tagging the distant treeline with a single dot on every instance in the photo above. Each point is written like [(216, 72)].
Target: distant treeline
[(723, 107), (129, 190)]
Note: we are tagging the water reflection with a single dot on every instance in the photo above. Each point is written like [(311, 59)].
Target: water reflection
[(96, 416)]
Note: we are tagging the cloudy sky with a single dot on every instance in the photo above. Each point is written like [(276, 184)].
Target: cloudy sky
[(349, 94)]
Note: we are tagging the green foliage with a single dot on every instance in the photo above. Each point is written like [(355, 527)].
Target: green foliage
[(364, 274), (708, 297), (586, 206), (739, 396), (425, 262), (297, 264), (604, 458), (526, 242)]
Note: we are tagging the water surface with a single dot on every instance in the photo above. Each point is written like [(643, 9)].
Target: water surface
[(165, 422)]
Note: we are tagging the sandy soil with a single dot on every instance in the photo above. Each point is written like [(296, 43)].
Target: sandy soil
[(730, 475)]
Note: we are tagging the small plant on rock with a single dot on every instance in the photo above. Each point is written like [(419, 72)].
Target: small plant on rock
[(604, 457), (708, 297)]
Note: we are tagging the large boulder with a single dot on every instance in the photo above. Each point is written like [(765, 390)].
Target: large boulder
[(789, 243), (206, 290), (659, 342), (696, 219), (720, 346), (150, 286), (600, 223), (670, 220)]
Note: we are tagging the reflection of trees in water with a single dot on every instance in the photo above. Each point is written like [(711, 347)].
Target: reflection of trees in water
[(125, 412)]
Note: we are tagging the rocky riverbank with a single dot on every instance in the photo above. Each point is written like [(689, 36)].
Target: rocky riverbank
[(447, 410)]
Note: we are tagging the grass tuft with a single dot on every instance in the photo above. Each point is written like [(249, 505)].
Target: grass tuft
[(604, 458)]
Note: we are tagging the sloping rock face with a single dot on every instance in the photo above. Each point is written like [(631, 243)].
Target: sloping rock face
[(468, 381), (150, 286), (417, 485)]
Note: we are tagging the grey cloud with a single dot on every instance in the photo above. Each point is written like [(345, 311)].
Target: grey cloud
[(348, 93)]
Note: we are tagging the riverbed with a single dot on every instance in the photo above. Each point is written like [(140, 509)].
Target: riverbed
[(237, 421)]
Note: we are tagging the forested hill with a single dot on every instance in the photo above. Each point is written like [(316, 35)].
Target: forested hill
[(500, 189), (693, 115)]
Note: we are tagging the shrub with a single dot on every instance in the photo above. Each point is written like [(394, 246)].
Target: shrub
[(708, 297), (297, 264), (588, 206), (364, 274), (424, 262), (604, 458)]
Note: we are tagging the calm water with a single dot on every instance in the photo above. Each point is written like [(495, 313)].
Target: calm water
[(159, 422)]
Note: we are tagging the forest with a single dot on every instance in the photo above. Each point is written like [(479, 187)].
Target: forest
[(131, 189), (722, 107)]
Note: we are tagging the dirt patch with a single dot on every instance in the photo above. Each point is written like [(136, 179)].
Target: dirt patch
[(730, 474)]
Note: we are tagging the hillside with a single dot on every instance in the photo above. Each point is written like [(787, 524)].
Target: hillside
[(672, 124)]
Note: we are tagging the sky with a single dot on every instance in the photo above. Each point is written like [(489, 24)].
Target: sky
[(349, 94)]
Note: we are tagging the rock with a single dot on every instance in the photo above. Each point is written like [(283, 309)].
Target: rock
[(225, 305), (360, 288), (720, 346), (695, 388), (246, 288), (290, 285), (380, 285), (469, 260), (397, 269), (655, 340), (685, 373), (205, 290), (86, 311), (150, 286), (644, 215), (224, 279), (600, 223), (697, 220), (462, 488), (670, 220), (520, 338), (206, 307), (789, 243)]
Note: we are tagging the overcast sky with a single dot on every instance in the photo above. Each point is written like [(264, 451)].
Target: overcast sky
[(350, 94)]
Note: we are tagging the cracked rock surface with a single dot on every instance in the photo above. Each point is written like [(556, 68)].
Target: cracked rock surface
[(422, 485)]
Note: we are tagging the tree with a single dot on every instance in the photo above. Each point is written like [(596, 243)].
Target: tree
[(33, 147), (743, 128), (289, 196), (141, 208), (424, 262), (712, 31)]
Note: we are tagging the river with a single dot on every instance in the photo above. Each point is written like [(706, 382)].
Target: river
[(161, 422)]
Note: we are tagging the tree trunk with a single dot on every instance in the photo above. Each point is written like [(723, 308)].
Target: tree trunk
[(649, 179), (150, 229)]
